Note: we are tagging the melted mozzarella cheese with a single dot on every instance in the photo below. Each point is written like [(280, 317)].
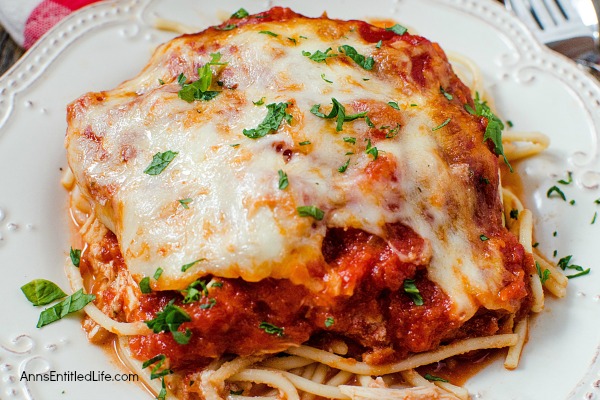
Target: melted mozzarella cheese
[(239, 223)]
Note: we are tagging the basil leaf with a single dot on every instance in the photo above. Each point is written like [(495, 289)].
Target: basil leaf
[(241, 13), (394, 105), (160, 161), (555, 189), (41, 292), (447, 95), (372, 150), (544, 275), (185, 202), (319, 56), (365, 63), (329, 321), (397, 29), (443, 124), (344, 167), (72, 303), (271, 329), (158, 273), (337, 111), (169, 320), (75, 255), (413, 292), (483, 238), (145, 285), (275, 115), (311, 211), (283, 180)]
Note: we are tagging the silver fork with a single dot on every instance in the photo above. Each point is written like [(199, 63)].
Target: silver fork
[(567, 26)]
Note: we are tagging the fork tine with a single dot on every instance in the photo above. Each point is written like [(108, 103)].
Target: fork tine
[(541, 13), (555, 10), (523, 11), (567, 8)]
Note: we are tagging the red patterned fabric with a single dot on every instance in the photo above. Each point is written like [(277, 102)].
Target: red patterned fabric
[(46, 15)]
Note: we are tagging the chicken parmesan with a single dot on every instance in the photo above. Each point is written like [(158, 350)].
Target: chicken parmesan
[(278, 183)]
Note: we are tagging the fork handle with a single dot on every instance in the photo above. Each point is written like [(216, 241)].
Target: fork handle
[(591, 61)]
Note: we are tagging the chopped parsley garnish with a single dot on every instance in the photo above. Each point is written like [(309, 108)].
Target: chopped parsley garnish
[(564, 264), (514, 213), (337, 111), (350, 139), (185, 202), (392, 132), (413, 105), (544, 275), (145, 285), (509, 123), (293, 40), (160, 161), (371, 150), (72, 303), (237, 392), (572, 202), (311, 211), (397, 29), (378, 45), (483, 238), (190, 265), (329, 321), (158, 273), (569, 179), (597, 201), (344, 167), (259, 102), (440, 126), (227, 27), (198, 90), (434, 378), (181, 79), (594, 218), (394, 105), (413, 292), (191, 293), (306, 142), (364, 62), (162, 395), (241, 13), (275, 115), (283, 180), (325, 79), (41, 292), (555, 233), (271, 329), (157, 372), (169, 320), (319, 56), (494, 128), (211, 303), (160, 81), (555, 189), (369, 123), (75, 255), (446, 94), (536, 244), (269, 33)]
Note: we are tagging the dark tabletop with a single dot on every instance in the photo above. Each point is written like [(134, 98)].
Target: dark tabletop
[(10, 52)]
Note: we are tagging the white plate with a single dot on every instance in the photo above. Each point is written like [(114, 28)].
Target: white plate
[(107, 43)]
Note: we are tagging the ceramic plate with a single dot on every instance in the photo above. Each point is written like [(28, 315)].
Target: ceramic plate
[(102, 45)]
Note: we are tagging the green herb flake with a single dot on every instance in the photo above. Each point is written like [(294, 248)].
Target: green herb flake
[(71, 304), (304, 143), (276, 113), (338, 111), (157, 372), (198, 90), (329, 321), (514, 213), (494, 128), (394, 105), (162, 395), (157, 273), (75, 255), (145, 285), (325, 79), (447, 95), (271, 329), (555, 189), (269, 33), (160, 161), (293, 40), (181, 79), (161, 82), (210, 304), (378, 45), (413, 105), (192, 294), (227, 27), (569, 179), (397, 29), (371, 150), (259, 102), (594, 218), (169, 320), (319, 56), (584, 272), (413, 292), (350, 139), (483, 238), (216, 284), (185, 202), (190, 265), (509, 123), (237, 392), (365, 62), (433, 378), (41, 292), (544, 275), (311, 211), (369, 123), (344, 167), (241, 13), (283, 180), (572, 202), (536, 244), (302, 37), (443, 124)]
